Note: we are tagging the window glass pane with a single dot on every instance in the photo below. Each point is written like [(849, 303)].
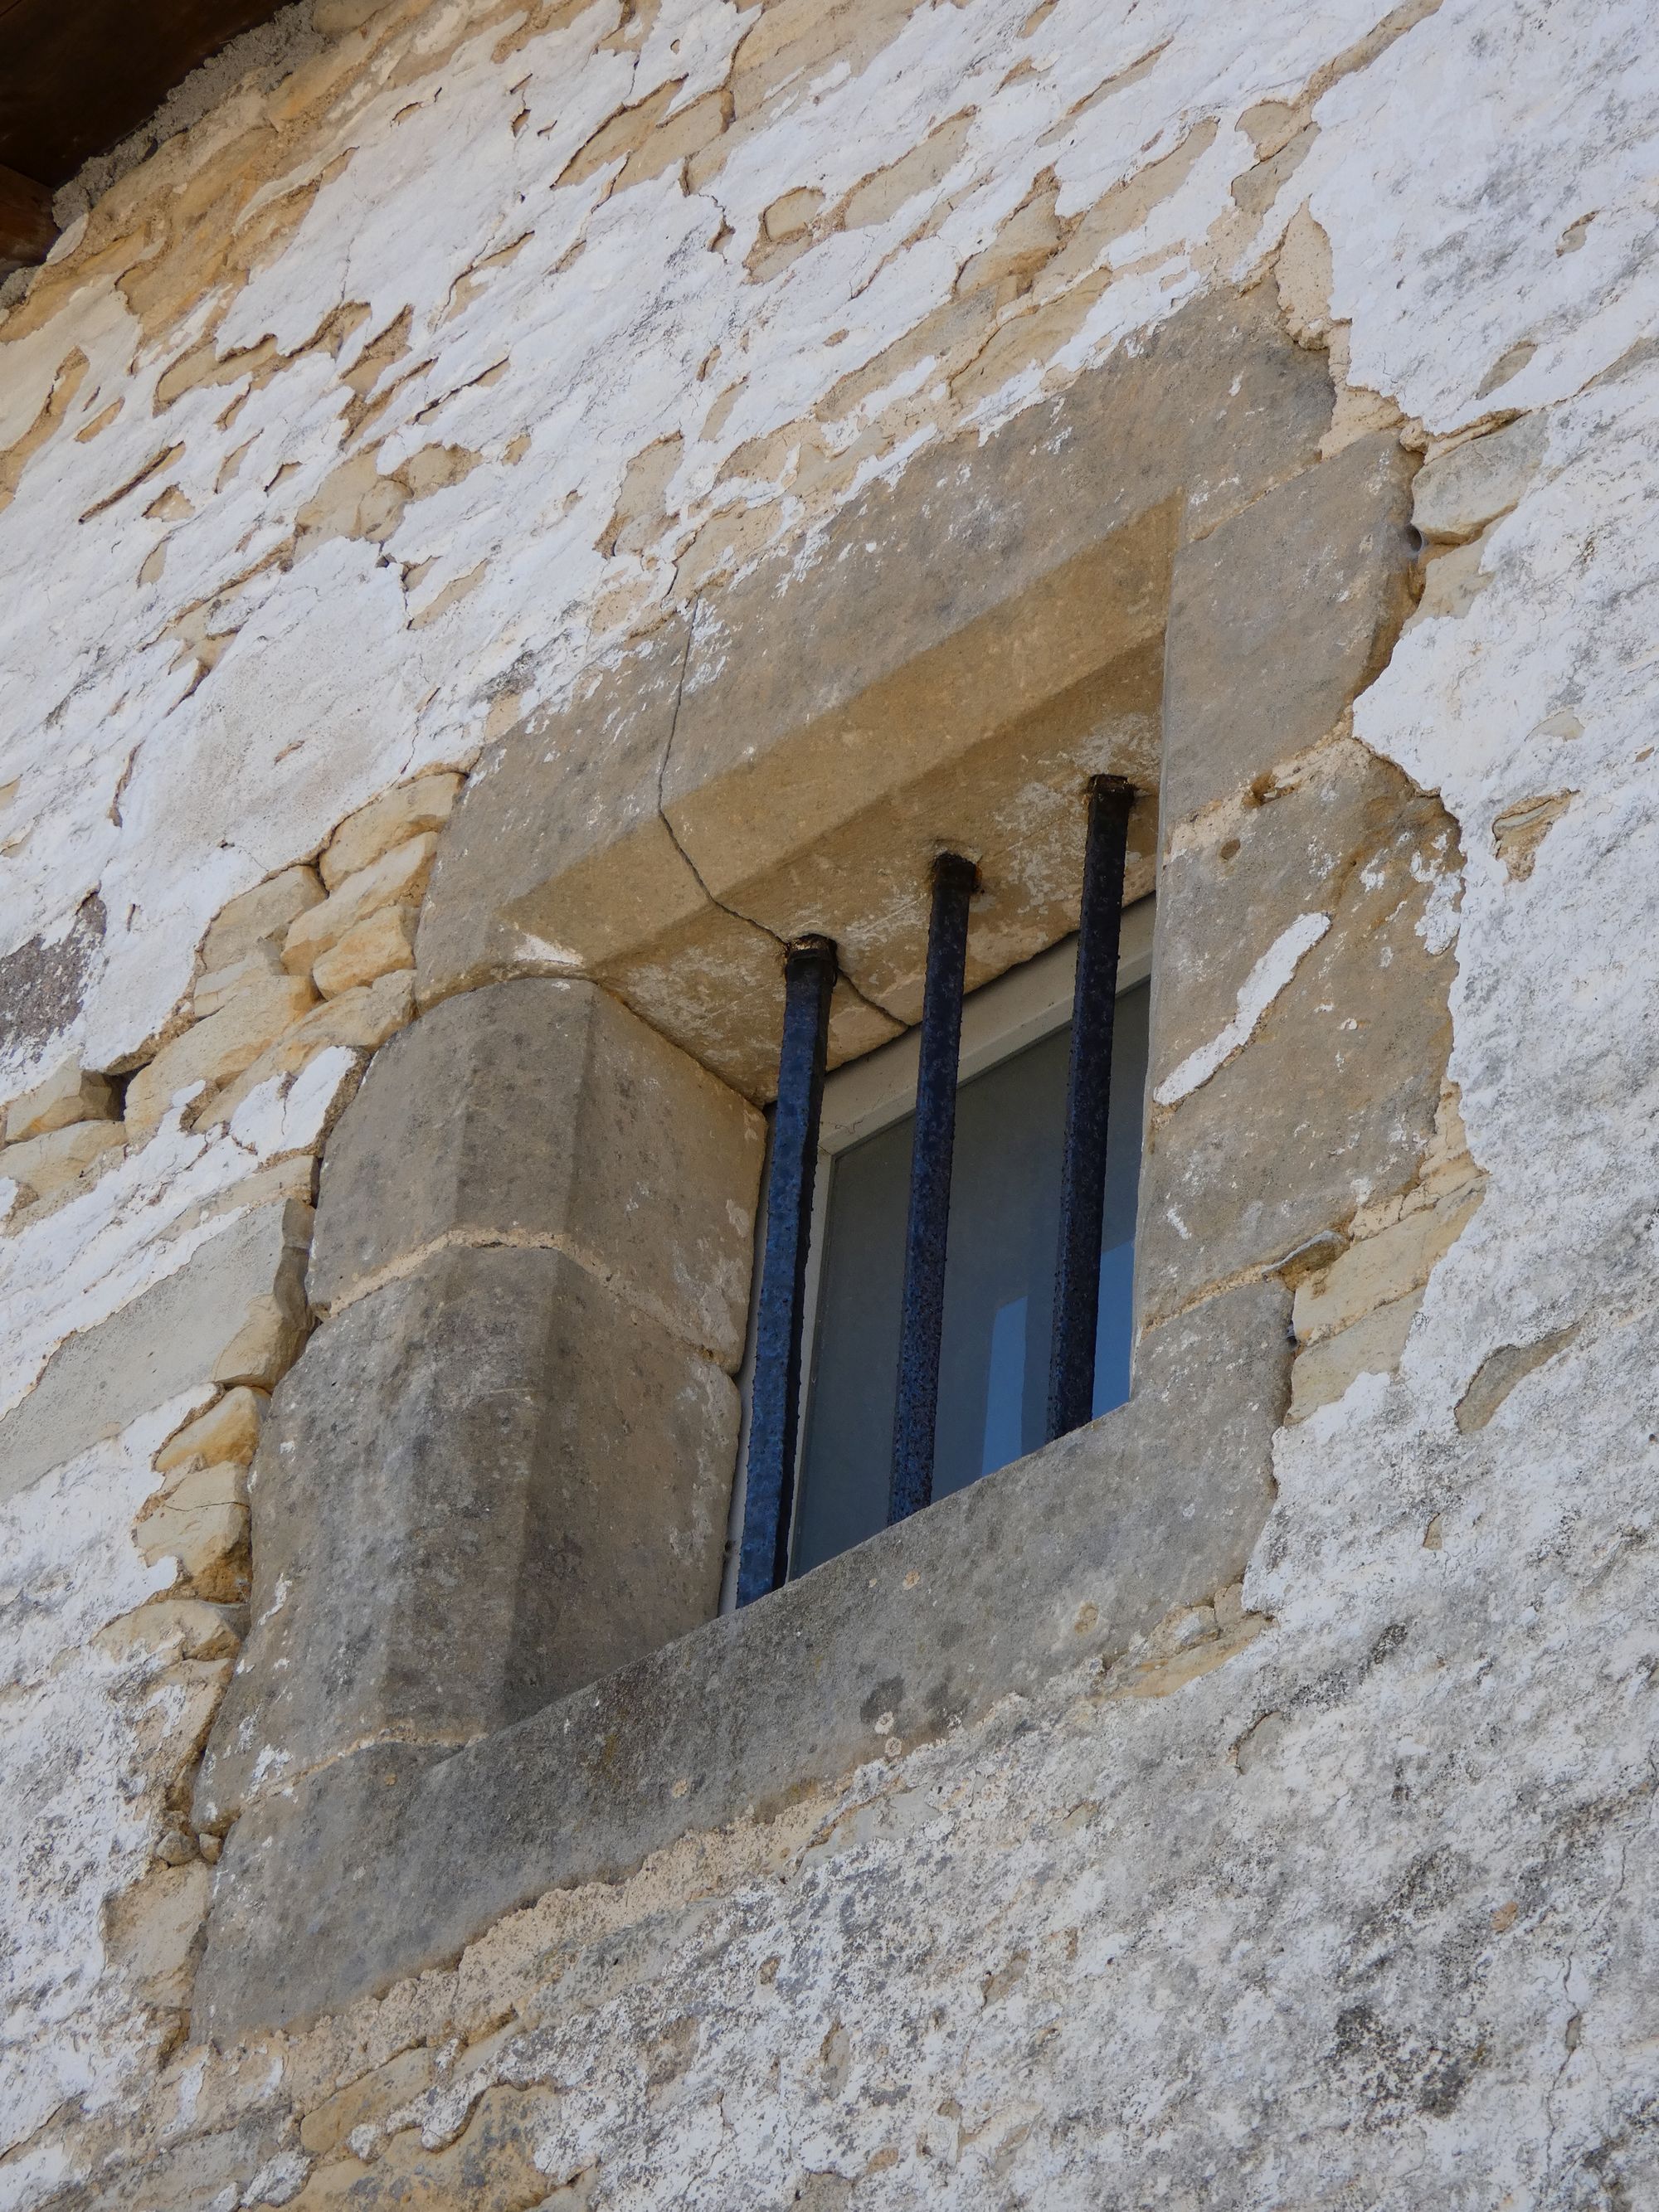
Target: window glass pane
[(998, 1288)]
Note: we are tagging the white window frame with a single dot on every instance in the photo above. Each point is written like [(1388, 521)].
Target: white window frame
[(868, 1095)]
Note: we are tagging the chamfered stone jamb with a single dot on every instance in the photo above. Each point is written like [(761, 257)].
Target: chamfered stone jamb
[(541, 1111), (485, 1483)]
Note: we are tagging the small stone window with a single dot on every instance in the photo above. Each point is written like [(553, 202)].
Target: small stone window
[(1004, 1227), (489, 1655)]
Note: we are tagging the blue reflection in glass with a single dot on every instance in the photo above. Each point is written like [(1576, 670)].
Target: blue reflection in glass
[(999, 1290)]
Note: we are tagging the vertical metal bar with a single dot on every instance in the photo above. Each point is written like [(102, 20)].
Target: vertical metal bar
[(1088, 1097), (922, 1317), (774, 1399)]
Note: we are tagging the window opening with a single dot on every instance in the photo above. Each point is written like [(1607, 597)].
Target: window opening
[(1035, 1225), (997, 1306)]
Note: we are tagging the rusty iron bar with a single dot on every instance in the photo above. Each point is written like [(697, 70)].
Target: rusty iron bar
[(809, 972), (922, 1313), (1088, 1100)]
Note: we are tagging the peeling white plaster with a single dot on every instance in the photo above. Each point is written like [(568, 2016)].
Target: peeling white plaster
[(78, 1817), (1269, 976), (1250, 1977)]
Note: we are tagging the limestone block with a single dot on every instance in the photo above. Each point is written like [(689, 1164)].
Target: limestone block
[(203, 1537), (789, 795), (379, 944), (1458, 494), (1371, 1346), (217, 989), (370, 2097), (1452, 584), (558, 861), (396, 878), (543, 1111), (258, 917), (360, 1020), (167, 1340), (187, 1626), (1280, 618), (1327, 1097), (273, 1324), (490, 1481), (557, 858), (1376, 1270), (716, 989), (217, 1049), (205, 1483), (228, 1431), (989, 576), (49, 1163), (68, 1094), (389, 820), (153, 1930)]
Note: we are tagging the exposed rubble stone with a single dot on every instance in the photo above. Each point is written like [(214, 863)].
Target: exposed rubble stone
[(396, 878), (70, 1094), (214, 1051)]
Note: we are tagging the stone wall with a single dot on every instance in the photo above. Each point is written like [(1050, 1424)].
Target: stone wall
[(373, 418)]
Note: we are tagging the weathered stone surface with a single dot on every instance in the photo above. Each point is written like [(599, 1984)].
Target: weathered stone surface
[(769, 772), (360, 1020), (220, 987), (68, 1094), (491, 2167), (200, 2175), (1330, 1099), (1371, 1346), (217, 1050), (717, 990), (1280, 618), (188, 1626), (539, 1478), (229, 1430), (557, 856), (1014, 802), (379, 944), (399, 878), (1378, 1269), (367, 2098), (204, 1534), (50, 1162), (1218, 406), (942, 646), (154, 1929), (259, 917), (1499, 1372), (388, 1862), (558, 861), (543, 1111), (361, 838), (1455, 496), (169, 1339)]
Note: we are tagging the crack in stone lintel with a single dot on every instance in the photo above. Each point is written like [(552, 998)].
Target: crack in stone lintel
[(749, 920)]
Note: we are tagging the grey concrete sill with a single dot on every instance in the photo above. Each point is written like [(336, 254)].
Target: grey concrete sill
[(392, 1860)]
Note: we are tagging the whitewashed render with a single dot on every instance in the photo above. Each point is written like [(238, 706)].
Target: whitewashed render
[(359, 418)]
